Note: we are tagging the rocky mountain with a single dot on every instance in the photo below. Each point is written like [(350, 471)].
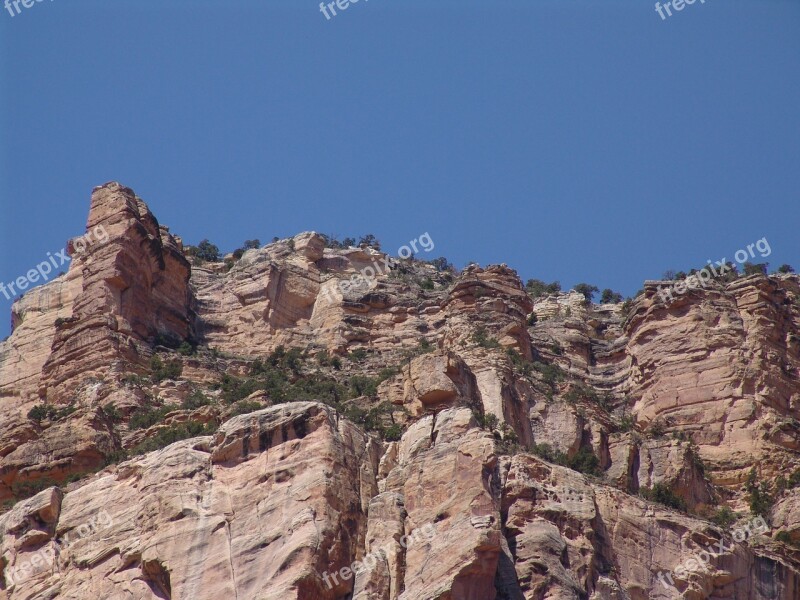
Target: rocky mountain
[(312, 420)]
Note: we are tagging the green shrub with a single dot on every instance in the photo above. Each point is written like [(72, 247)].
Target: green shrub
[(584, 461), (116, 456), (282, 385), (326, 360), (331, 241), (509, 442), (236, 388), (374, 419), (112, 413), (442, 265), (537, 288), (785, 269), (387, 373), (783, 537), (488, 421), (65, 411), (626, 423), (357, 355), (393, 433), (47, 411), (169, 435), (280, 358), (73, 477), (548, 453), (532, 319), (145, 417), (482, 338), (245, 407), (551, 373), (363, 386), (427, 284), (626, 307), (172, 369), (323, 358), (724, 517), (187, 349), (26, 489), (794, 479), (579, 392), (663, 494), (134, 380), (258, 367), (758, 495), (657, 429), (518, 363), (168, 340), (41, 412), (195, 400), (696, 460), (423, 347)]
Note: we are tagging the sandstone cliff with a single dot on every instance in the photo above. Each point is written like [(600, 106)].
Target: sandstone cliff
[(174, 428)]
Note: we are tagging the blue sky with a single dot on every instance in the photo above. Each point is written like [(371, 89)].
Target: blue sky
[(572, 140)]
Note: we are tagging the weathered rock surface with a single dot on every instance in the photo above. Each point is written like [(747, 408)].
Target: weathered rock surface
[(134, 287), (430, 382), (274, 500), (279, 501)]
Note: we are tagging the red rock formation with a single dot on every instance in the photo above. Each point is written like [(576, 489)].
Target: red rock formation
[(134, 287), (687, 397)]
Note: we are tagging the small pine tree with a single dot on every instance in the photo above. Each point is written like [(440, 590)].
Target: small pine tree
[(587, 290), (610, 297), (537, 288), (758, 495), (207, 251), (369, 241), (755, 269)]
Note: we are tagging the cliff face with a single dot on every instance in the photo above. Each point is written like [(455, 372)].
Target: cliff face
[(407, 436)]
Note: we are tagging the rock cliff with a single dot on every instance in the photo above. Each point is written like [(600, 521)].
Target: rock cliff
[(314, 421)]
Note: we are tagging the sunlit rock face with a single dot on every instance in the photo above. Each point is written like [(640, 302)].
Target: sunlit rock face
[(468, 441)]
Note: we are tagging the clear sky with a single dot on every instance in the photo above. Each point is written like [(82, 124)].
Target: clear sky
[(573, 140)]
